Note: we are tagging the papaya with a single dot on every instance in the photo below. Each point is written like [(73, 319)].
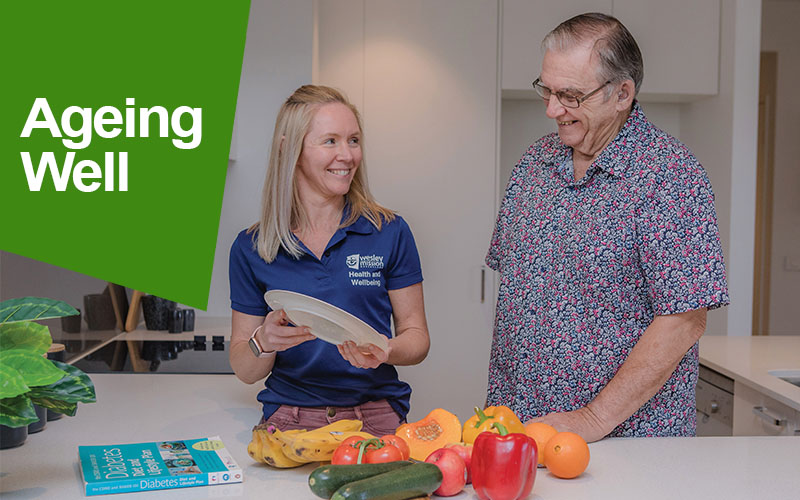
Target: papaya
[(438, 429)]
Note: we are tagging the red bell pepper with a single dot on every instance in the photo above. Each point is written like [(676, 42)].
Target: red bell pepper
[(503, 465)]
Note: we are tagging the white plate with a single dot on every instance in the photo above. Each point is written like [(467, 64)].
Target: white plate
[(326, 321)]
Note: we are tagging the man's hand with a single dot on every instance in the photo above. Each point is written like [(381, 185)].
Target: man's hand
[(649, 365), (581, 421)]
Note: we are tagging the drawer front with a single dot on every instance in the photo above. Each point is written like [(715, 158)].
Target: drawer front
[(714, 410), (756, 414)]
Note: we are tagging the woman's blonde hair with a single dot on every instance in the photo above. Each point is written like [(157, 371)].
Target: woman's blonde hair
[(281, 210)]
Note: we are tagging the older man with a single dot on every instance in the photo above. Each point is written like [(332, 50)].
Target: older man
[(608, 252)]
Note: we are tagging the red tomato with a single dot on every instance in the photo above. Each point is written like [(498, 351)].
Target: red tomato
[(345, 454), (353, 440), (398, 442), (387, 453)]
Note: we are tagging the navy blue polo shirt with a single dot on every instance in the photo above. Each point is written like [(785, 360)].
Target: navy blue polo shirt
[(360, 264)]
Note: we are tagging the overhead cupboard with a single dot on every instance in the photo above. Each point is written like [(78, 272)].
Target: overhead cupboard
[(676, 34)]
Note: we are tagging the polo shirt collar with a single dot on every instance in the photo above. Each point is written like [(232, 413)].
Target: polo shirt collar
[(361, 225)]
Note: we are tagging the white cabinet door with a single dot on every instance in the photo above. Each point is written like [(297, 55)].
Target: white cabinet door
[(525, 24), (756, 414), (679, 41), (424, 74)]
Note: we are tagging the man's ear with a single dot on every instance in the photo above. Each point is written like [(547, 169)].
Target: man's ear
[(625, 95)]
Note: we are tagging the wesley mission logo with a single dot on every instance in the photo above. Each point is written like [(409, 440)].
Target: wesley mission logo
[(365, 269)]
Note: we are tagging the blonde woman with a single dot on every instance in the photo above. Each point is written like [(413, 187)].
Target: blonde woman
[(317, 212)]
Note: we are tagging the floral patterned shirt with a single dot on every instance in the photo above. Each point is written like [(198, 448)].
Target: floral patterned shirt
[(585, 267)]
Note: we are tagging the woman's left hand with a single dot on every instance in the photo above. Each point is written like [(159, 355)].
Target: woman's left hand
[(366, 356)]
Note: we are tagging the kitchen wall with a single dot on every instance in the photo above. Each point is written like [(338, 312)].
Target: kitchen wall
[(277, 60), (427, 91), (24, 277), (722, 131), (780, 34)]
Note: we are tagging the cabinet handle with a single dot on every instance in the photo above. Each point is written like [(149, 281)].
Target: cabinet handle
[(763, 413), (483, 285), (713, 408)]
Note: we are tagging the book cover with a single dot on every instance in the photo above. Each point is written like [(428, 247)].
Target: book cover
[(123, 468)]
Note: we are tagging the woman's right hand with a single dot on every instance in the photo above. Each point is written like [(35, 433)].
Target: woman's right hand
[(276, 335)]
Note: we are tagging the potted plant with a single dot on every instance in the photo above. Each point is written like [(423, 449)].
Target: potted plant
[(27, 376)]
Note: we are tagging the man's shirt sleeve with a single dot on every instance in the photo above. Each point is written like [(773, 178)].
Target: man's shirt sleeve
[(680, 250)]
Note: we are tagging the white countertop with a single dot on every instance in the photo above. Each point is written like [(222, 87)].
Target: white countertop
[(152, 407), (748, 360)]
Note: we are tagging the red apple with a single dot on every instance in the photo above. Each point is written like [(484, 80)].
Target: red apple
[(454, 471), (465, 451)]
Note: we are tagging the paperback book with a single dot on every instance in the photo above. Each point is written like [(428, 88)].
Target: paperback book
[(123, 468)]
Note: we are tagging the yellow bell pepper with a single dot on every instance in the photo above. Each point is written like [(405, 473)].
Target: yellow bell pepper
[(483, 420)]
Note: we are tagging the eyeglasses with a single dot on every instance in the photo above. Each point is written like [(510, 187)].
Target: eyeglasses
[(568, 100)]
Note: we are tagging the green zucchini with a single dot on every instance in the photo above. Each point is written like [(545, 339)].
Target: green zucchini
[(326, 479), (415, 480)]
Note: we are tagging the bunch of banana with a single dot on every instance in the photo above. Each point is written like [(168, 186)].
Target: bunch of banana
[(318, 445), (265, 448)]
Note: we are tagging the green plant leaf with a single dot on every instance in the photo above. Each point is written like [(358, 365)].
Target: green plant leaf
[(11, 382), (34, 368), (64, 407), (33, 308), (17, 411), (75, 387), (25, 335)]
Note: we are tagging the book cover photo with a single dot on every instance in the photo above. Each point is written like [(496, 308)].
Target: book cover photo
[(123, 468)]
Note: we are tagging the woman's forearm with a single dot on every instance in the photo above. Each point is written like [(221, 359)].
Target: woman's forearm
[(412, 341), (246, 366), (409, 347)]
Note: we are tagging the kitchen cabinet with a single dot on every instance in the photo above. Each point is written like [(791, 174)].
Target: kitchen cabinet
[(760, 398), (714, 393), (424, 74), (679, 41), (525, 23), (756, 414)]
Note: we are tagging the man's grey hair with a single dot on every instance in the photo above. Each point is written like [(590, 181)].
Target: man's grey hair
[(617, 51)]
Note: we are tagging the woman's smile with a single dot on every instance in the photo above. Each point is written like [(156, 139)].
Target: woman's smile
[(331, 152)]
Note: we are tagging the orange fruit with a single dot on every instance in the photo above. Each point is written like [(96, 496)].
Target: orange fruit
[(566, 455), (541, 433)]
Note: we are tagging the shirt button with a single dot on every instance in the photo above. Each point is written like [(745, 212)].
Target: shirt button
[(328, 253)]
